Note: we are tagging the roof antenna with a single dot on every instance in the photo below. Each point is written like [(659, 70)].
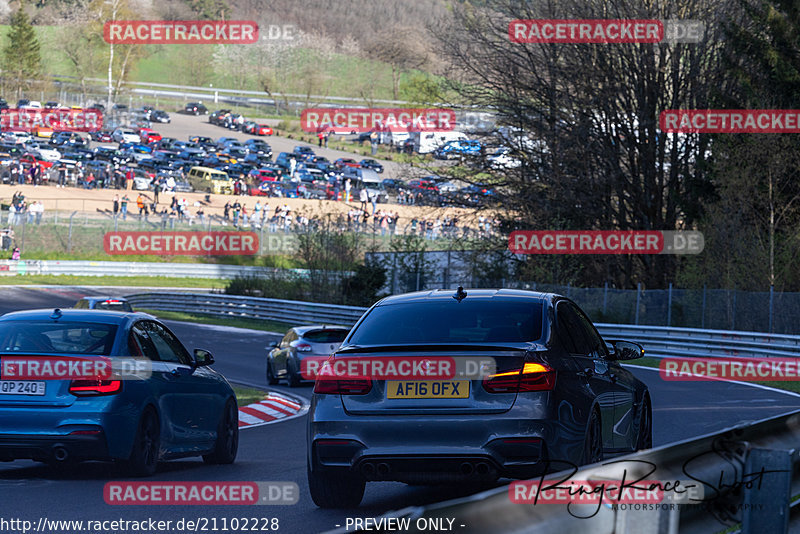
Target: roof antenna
[(460, 294)]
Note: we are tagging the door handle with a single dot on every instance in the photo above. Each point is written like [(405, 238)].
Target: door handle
[(173, 374)]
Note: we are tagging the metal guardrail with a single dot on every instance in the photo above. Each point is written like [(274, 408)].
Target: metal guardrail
[(725, 469), (123, 268), (658, 341), (293, 311)]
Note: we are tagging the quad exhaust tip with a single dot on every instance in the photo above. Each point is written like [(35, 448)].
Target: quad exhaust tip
[(60, 453)]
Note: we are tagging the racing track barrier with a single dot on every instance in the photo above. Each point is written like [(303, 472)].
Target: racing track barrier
[(726, 465), (658, 341)]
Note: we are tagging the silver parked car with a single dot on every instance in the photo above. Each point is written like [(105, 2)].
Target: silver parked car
[(284, 357)]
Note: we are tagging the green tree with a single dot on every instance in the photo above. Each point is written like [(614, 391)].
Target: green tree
[(753, 226), (211, 9), (22, 60)]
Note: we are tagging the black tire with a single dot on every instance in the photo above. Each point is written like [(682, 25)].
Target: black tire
[(146, 445), (271, 378), (292, 376), (645, 436), (227, 436), (593, 440), (336, 490)]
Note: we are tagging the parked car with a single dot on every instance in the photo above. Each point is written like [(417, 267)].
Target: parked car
[(458, 149), (195, 108), (160, 116), (122, 135), (371, 164), (285, 356), (134, 418), (551, 392), (346, 162)]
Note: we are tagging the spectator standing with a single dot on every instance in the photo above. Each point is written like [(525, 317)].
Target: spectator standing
[(362, 197), (321, 136), (373, 139), (327, 134), (129, 180), (374, 199), (39, 211), (156, 190), (62, 175), (123, 207), (226, 211), (347, 186), (235, 209), (140, 204)]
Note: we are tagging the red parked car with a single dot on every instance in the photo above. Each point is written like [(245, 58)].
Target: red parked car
[(346, 162), (149, 136)]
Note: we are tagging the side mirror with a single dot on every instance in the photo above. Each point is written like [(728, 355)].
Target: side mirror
[(202, 358), (272, 344), (626, 350)]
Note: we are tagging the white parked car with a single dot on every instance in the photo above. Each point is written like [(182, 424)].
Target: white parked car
[(125, 135), (17, 138), (502, 159), (44, 151)]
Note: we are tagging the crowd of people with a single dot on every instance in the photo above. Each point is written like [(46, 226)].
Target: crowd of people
[(20, 211)]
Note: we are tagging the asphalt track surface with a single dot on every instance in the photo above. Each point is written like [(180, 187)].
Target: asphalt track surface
[(276, 452)]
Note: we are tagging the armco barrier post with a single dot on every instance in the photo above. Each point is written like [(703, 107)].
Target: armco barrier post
[(766, 504), (669, 305), (638, 300)]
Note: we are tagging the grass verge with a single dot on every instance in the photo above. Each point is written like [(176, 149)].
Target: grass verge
[(245, 395), (132, 281), (785, 385), (253, 324)]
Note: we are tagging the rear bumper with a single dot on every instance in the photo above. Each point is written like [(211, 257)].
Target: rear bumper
[(54, 447), (522, 442)]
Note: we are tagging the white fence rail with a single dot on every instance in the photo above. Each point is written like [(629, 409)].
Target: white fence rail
[(123, 268)]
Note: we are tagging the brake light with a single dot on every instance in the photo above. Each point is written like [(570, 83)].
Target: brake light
[(95, 388), (343, 387), (531, 377), (339, 386)]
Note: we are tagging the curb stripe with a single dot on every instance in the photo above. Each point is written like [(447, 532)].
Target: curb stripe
[(273, 409)]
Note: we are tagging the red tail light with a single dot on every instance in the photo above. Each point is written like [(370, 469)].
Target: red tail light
[(95, 388), (336, 386), (531, 377), (341, 386)]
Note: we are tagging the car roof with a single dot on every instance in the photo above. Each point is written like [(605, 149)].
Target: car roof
[(439, 294), (305, 329), (73, 315)]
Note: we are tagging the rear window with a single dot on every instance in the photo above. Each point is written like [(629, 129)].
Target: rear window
[(326, 336), (448, 321), (113, 305), (52, 337)]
